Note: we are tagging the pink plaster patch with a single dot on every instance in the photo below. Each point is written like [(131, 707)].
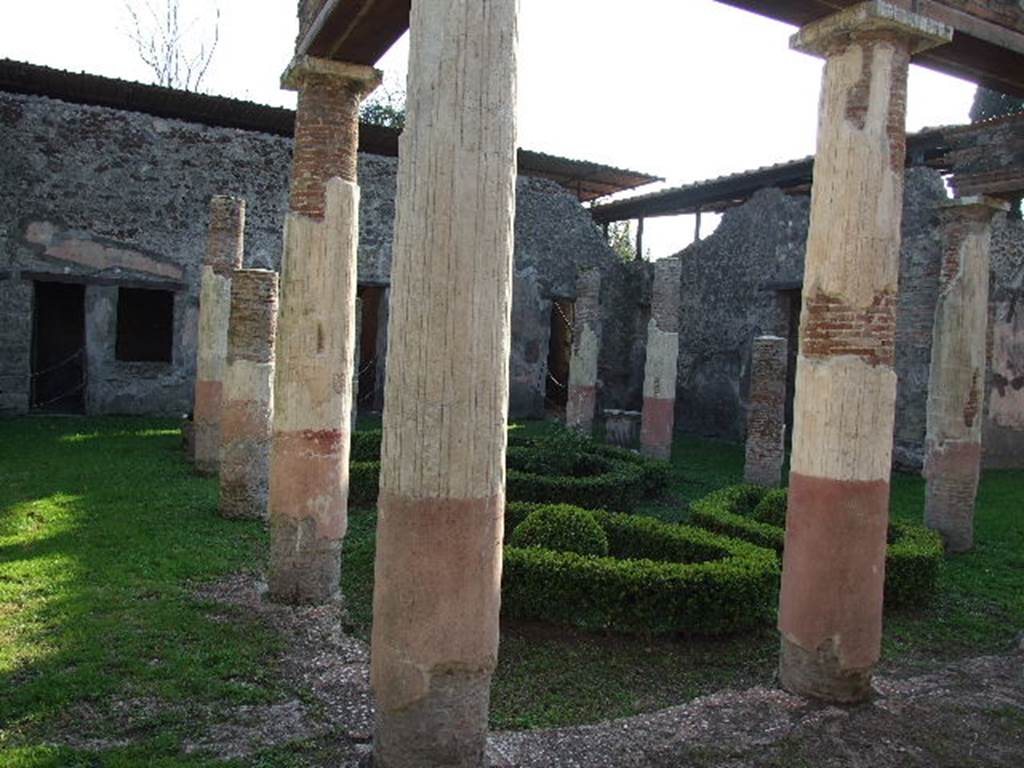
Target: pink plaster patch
[(834, 566), (309, 479), (657, 423)]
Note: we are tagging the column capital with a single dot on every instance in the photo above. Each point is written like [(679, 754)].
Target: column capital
[(834, 33), (979, 207), (302, 67)]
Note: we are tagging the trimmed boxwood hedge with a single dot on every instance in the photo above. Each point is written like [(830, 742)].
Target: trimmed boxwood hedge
[(562, 528), (659, 578), (595, 475), (913, 559)]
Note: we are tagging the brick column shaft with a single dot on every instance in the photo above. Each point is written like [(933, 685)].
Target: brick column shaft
[(439, 533), (586, 347), (766, 418), (224, 247), (315, 342), (248, 395), (956, 384), (660, 370), (830, 613)]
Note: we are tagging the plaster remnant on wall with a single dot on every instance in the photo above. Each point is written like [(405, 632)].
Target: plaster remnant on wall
[(662, 362), (89, 253)]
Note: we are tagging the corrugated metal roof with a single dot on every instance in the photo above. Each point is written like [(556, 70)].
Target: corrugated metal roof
[(717, 194)]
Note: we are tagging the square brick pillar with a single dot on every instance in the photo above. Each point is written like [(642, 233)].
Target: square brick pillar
[(766, 417), (316, 333), (246, 426), (224, 246), (660, 370), (956, 384), (437, 586), (586, 348), (830, 613)]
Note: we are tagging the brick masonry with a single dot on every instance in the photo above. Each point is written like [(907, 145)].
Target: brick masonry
[(247, 404)]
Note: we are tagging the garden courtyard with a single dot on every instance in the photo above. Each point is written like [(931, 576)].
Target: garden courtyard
[(133, 631)]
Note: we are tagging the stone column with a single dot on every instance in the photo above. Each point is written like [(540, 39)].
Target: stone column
[(224, 248), (586, 346), (662, 364), (248, 395), (442, 501), (315, 338), (830, 613), (956, 384), (766, 418)]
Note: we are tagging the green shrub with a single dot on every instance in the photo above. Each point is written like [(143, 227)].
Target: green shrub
[(562, 468), (366, 445), (912, 564), (771, 509), (913, 557), (561, 528), (658, 578), (363, 483), (729, 511)]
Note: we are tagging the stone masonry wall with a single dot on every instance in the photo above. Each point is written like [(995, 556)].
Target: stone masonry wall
[(109, 198), (731, 293)]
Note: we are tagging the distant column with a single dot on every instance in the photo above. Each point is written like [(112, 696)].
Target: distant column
[(224, 247), (248, 395), (766, 419), (956, 385), (830, 613), (316, 333), (662, 364), (356, 355), (586, 346), (442, 486)]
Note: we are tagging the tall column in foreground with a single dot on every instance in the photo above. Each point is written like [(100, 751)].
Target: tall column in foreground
[(766, 420), (586, 347), (315, 341), (438, 568), (248, 395), (956, 385), (658, 420), (224, 247), (830, 615)]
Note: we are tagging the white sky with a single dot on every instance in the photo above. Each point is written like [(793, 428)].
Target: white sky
[(685, 90)]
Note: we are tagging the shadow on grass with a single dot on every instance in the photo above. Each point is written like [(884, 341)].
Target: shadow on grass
[(102, 528)]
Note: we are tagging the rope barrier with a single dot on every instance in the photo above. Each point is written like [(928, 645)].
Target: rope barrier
[(55, 366)]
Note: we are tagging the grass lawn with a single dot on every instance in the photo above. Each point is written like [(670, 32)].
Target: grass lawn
[(104, 531)]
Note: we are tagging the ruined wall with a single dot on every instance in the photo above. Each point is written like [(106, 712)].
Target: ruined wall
[(1003, 435), (113, 198), (734, 288)]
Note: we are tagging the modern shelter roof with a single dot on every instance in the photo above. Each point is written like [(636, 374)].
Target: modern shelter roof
[(987, 47)]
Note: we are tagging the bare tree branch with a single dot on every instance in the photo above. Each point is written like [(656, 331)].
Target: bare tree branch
[(162, 42)]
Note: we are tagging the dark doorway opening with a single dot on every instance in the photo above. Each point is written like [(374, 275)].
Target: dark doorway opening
[(556, 389), (371, 297), (58, 347)]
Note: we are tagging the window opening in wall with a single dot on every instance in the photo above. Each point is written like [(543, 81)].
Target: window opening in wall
[(58, 347), (556, 390), (145, 325)]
